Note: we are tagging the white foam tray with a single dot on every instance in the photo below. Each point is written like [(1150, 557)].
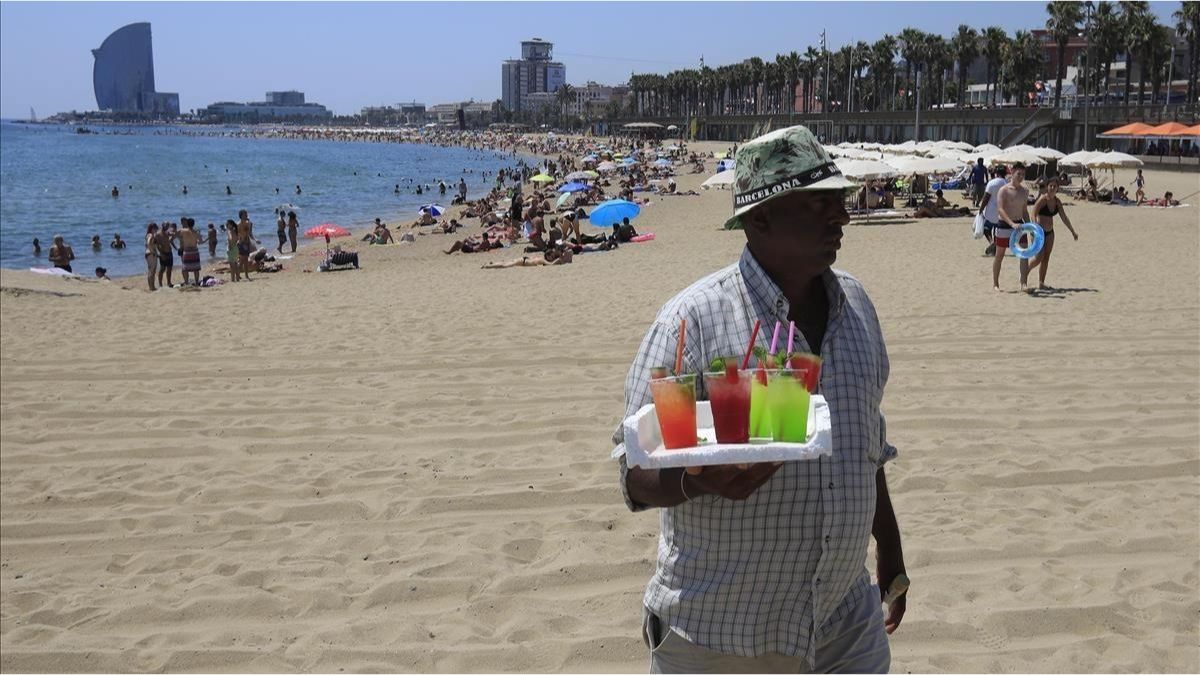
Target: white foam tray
[(644, 447)]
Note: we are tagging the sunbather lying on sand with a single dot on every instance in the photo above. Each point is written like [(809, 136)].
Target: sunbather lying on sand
[(553, 256)]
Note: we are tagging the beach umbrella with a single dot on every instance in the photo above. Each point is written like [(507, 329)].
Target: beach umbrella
[(1077, 158), (434, 210), (986, 147), (1134, 130), (726, 164), (672, 128), (590, 174), (662, 162), (573, 187), (671, 147), (1014, 155), (1048, 153), (579, 175), (589, 158), (925, 165), (611, 212), (628, 161), (542, 178), (326, 230), (723, 178), (606, 166), (1112, 160), (865, 169), (562, 199)]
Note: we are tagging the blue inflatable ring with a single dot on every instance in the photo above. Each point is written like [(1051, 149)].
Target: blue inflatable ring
[(1037, 239)]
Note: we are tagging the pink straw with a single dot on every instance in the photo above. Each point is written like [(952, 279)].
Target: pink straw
[(750, 349), (775, 338), (791, 335)]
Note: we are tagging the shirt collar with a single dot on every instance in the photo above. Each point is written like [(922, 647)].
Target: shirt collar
[(768, 300)]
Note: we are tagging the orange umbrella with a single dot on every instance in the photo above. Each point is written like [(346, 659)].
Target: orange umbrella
[(1134, 130), (1168, 130), (1194, 131)]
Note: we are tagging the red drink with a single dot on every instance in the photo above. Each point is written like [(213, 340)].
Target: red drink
[(675, 407), (729, 397)]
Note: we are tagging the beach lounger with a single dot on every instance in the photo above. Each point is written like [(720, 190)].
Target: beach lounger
[(339, 260)]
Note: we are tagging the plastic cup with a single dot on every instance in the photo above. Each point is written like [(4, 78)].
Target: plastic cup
[(729, 397), (809, 367), (787, 404), (675, 407), (760, 416)]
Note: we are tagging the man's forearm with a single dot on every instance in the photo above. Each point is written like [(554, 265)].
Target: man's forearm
[(657, 487), (884, 527)]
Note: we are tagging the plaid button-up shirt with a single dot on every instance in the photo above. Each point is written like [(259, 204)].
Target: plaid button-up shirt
[(771, 573)]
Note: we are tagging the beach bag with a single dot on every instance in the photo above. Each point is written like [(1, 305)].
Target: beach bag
[(978, 225)]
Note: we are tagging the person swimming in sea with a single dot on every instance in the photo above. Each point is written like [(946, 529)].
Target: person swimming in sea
[(96, 244), (185, 189), (116, 192), (228, 191), (117, 242), (37, 247)]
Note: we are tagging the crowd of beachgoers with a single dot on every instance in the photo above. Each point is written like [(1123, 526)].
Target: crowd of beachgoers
[(538, 205)]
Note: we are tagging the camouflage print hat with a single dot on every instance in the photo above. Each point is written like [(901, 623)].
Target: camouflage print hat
[(777, 163)]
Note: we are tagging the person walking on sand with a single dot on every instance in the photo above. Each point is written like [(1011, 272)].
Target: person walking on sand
[(979, 179), (293, 229), (151, 254), (1045, 209), (1140, 182), (1013, 209), (61, 254), (761, 568), (246, 241)]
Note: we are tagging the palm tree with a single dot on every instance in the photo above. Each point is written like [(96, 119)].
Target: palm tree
[(565, 95), (1063, 24), (1187, 25), (883, 55), (1134, 25), (995, 41), (965, 45), (1108, 39), (812, 59), (1022, 63), (937, 59), (911, 41)]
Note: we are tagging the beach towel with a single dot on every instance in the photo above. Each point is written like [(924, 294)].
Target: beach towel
[(190, 257)]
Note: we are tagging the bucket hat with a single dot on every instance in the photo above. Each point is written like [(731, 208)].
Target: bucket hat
[(778, 163)]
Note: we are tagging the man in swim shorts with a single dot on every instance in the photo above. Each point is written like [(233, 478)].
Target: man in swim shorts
[(245, 235), (1013, 202), (166, 255), (988, 206)]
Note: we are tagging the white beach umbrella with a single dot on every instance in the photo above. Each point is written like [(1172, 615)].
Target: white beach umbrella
[(1078, 158), (1112, 160), (987, 147), (925, 165), (1048, 153), (723, 178), (1013, 155), (865, 169)]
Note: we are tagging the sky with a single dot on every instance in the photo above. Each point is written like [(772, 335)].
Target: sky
[(349, 55)]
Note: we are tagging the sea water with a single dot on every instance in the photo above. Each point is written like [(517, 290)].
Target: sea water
[(56, 181)]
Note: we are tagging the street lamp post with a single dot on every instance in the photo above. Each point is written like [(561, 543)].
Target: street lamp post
[(1087, 65), (917, 120), (1170, 74)]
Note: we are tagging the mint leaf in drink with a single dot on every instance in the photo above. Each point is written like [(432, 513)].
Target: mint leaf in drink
[(717, 365)]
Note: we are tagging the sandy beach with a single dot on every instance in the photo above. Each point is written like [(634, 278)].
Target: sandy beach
[(406, 467)]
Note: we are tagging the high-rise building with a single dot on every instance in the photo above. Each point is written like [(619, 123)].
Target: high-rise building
[(534, 72), (123, 74)]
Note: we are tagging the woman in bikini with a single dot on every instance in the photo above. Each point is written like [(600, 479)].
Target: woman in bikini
[(1045, 209)]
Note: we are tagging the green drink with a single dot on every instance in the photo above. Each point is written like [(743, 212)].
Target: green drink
[(760, 418), (787, 405)]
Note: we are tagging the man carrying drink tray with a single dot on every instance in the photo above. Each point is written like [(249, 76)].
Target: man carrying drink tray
[(761, 567)]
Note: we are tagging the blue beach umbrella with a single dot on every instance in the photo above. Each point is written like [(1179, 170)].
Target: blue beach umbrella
[(611, 212), (628, 160), (573, 187), (433, 210), (662, 162)]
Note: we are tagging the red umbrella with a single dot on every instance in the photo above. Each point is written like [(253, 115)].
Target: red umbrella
[(326, 230)]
